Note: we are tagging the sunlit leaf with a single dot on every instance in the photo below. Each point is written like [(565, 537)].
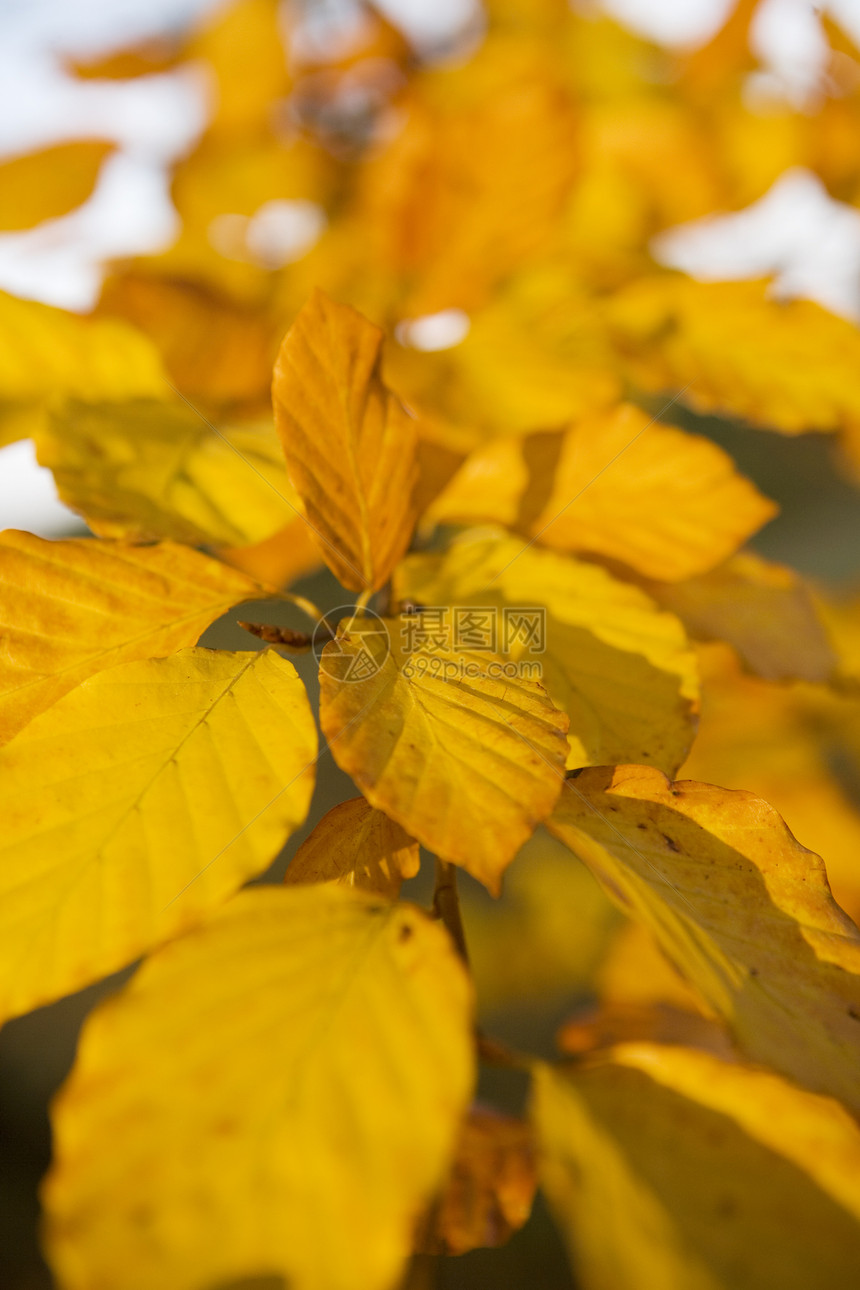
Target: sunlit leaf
[(669, 1167), (618, 485), (49, 183), (788, 365), (72, 608), (49, 355), (466, 758), (143, 798), (279, 560), (357, 846), (738, 905), (491, 1188), (306, 1056), (154, 469), (620, 668), (349, 443)]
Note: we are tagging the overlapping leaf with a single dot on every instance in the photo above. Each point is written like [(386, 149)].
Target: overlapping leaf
[(349, 443), (307, 1055), (620, 668), (157, 469), (467, 759), (738, 905), (72, 608), (357, 846), (766, 611), (141, 799), (619, 485), (669, 1167)]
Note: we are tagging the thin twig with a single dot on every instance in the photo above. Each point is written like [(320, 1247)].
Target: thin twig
[(446, 905)]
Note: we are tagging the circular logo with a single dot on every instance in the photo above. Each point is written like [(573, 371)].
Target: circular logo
[(357, 654)]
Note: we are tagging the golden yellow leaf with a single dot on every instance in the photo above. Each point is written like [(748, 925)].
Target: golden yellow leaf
[(356, 846), (218, 350), (619, 485), (279, 560), (491, 1188), (49, 355), (788, 365), (145, 58), (535, 355), (74, 607), (243, 48), (465, 757), (278, 1092), (737, 904), (475, 181), (765, 610), (619, 667), (49, 183), (349, 444), (790, 745), (154, 469), (141, 799), (671, 1168)]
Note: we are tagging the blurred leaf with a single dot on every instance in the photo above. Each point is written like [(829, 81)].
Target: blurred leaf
[(491, 1188), (671, 1168), (618, 485), (49, 183), (152, 469), (765, 610), (306, 1054)]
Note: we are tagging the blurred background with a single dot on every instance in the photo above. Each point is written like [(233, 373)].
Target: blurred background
[(57, 83)]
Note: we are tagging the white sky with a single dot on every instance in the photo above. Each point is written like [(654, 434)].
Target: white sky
[(796, 231)]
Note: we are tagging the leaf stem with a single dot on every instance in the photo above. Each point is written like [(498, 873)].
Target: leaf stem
[(301, 602), (446, 905)]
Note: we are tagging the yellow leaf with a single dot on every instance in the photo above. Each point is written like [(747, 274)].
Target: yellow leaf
[(49, 183), (141, 799), (157, 469), (766, 611), (491, 1188), (619, 667), (790, 745), (278, 1092), (279, 560), (741, 908), (672, 1169), (72, 608), (618, 485), (787, 365), (49, 355), (350, 445), (218, 350), (475, 181), (535, 355), (466, 758), (356, 846), (243, 49)]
